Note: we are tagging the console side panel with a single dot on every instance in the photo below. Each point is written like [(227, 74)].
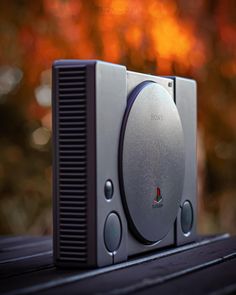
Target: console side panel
[(186, 101), (74, 169), (110, 107)]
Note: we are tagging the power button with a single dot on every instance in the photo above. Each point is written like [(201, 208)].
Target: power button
[(112, 232), (108, 189), (186, 217)]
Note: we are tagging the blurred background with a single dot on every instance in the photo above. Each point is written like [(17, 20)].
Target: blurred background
[(164, 37)]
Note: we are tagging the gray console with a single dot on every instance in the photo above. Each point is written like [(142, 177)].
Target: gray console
[(124, 163)]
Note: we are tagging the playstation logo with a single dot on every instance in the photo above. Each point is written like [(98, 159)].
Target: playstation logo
[(158, 200)]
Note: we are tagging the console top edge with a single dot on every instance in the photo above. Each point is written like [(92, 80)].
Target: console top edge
[(63, 62), (150, 76)]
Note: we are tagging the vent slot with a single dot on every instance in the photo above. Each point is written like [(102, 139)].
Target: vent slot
[(72, 164)]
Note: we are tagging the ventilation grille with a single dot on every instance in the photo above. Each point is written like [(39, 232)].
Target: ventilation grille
[(72, 164)]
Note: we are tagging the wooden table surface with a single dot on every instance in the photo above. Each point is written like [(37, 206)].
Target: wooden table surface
[(205, 267)]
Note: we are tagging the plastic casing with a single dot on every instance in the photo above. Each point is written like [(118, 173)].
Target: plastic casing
[(107, 89)]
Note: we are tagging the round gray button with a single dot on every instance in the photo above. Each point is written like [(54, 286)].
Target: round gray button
[(186, 217), (108, 189), (112, 232)]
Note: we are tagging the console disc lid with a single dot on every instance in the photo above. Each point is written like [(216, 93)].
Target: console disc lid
[(151, 162)]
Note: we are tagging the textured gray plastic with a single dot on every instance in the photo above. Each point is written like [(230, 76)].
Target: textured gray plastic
[(102, 90), (112, 232), (111, 96), (152, 162), (74, 165), (186, 102)]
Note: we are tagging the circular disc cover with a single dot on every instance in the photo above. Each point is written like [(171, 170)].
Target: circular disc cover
[(151, 162)]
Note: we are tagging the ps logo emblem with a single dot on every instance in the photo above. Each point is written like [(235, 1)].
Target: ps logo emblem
[(158, 200)]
